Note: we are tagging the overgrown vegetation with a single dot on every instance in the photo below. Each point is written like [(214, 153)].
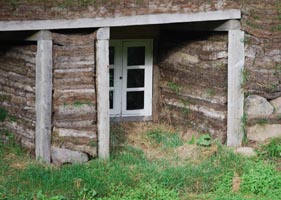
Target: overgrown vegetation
[(165, 138), (129, 175), (3, 114)]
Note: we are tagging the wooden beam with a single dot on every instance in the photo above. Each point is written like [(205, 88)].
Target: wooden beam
[(235, 104), (206, 26), (120, 21), (102, 81), (44, 65)]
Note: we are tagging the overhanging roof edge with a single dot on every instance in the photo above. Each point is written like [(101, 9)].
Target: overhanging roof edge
[(151, 19)]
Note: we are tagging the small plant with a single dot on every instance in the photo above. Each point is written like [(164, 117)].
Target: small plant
[(272, 149), (186, 108), (3, 114), (210, 92), (277, 70), (204, 140), (81, 103), (41, 196), (165, 138), (117, 136), (192, 140), (174, 87), (260, 178), (87, 194), (4, 97), (244, 121), (245, 78), (262, 121)]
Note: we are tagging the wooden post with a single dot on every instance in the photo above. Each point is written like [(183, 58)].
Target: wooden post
[(236, 60), (44, 65), (102, 81)]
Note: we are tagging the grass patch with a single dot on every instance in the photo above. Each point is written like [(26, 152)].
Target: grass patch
[(164, 138), (130, 175)]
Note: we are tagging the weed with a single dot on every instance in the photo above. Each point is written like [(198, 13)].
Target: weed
[(262, 121), (245, 77), (224, 184), (3, 114), (12, 118), (174, 87), (186, 108), (204, 140), (272, 87), (244, 121), (277, 70), (272, 149), (87, 194), (81, 103), (4, 97), (117, 136), (260, 178), (192, 140), (41, 196), (210, 92), (164, 138)]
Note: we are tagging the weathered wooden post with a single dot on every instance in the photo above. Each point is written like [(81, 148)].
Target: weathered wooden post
[(102, 81), (44, 65), (236, 59)]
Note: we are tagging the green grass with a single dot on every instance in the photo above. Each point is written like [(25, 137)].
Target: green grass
[(164, 138), (130, 175)]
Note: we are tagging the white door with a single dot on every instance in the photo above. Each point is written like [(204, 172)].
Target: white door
[(131, 77)]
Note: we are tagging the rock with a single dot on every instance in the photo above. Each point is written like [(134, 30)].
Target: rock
[(246, 151), (256, 106), (63, 156), (276, 103), (261, 133), (91, 150)]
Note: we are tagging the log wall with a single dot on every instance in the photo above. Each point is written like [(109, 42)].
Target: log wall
[(193, 80), (17, 90), (74, 97)]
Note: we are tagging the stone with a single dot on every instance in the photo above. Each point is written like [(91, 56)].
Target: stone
[(256, 106), (184, 58), (276, 103), (246, 151), (63, 156), (261, 133)]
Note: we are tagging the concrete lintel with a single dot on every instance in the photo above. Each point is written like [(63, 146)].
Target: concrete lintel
[(102, 85), (207, 26), (230, 25), (103, 33), (40, 35), (235, 105), (120, 21), (44, 65)]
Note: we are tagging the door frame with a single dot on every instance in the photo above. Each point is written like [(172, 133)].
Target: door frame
[(120, 58)]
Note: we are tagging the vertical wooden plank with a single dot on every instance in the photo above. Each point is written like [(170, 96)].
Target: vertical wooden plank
[(236, 60), (102, 81), (44, 65)]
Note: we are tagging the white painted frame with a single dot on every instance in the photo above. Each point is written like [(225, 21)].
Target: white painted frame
[(148, 66), (117, 44), (120, 64)]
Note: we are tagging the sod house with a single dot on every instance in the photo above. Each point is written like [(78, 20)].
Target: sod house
[(69, 68)]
